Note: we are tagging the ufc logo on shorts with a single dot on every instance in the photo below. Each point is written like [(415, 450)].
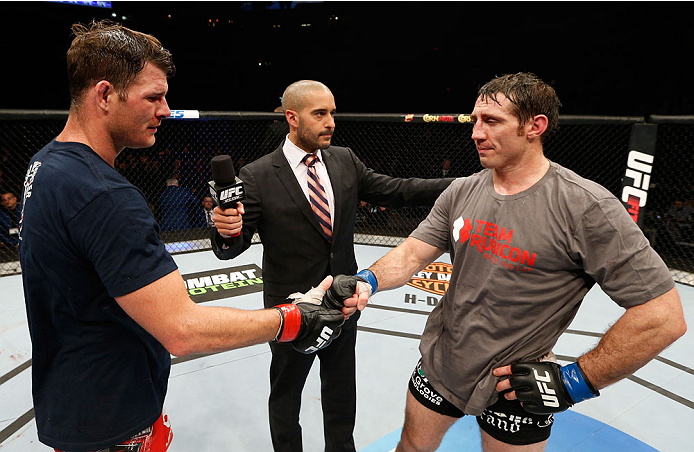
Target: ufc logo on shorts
[(322, 339), (548, 394)]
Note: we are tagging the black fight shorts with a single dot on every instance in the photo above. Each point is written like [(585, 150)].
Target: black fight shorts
[(505, 421)]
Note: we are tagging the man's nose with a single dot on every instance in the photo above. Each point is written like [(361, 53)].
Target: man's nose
[(163, 111), (477, 132)]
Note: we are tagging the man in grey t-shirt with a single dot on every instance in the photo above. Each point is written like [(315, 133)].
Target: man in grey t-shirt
[(528, 239)]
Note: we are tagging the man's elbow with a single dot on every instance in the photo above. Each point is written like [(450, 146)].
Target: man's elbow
[(668, 315), (179, 341), (677, 324), (678, 328), (672, 327), (178, 349)]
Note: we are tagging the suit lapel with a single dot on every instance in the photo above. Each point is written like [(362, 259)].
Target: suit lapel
[(286, 176), (334, 173)]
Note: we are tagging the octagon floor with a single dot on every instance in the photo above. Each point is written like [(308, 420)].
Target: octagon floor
[(219, 402)]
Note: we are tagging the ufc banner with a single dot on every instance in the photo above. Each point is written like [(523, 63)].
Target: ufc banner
[(637, 177)]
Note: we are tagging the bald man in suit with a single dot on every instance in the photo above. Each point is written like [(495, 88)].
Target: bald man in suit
[(305, 219)]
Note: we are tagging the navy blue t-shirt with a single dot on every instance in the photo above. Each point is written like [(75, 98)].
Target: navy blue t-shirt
[(87, 235)]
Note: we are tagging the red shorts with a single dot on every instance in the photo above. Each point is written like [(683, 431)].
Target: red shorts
[(155, 438)]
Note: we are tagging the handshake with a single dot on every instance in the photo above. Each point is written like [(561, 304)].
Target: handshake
[(315, 318)]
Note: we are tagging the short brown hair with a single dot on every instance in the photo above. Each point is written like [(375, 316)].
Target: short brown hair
[(109, 51), (529, 95)]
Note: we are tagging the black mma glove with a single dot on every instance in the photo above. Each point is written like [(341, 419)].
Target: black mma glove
[(342, 288), (545, 387), (307, 323)]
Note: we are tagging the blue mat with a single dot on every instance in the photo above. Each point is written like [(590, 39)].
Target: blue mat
[(571, 432)]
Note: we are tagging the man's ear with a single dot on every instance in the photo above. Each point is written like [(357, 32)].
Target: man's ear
[(537, 126), (104, 94), (292, 118)]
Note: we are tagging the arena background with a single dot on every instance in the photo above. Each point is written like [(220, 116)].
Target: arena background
[(409, 145), (604, 58), (383, 60), (404, 75)]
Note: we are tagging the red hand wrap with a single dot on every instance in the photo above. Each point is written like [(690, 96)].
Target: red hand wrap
[(292, 322)]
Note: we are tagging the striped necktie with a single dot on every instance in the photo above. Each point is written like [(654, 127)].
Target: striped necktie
[(317, 196)]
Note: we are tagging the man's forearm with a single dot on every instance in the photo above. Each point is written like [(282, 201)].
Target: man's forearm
[(215, 329), (165, 310), (397, 267), (634, 340)]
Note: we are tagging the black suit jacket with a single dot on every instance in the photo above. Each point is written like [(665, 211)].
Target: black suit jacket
[(296, 253)]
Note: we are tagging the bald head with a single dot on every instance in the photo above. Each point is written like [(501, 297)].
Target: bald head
[(296, 94), (309, 108)]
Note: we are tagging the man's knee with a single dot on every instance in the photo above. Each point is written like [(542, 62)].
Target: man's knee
[(417, 441), (491, 444)]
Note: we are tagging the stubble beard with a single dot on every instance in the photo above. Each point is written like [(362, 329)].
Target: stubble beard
[(306, 141)]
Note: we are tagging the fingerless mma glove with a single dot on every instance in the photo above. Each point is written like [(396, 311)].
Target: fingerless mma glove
[(342, 288), (545, 387), (309, 327)]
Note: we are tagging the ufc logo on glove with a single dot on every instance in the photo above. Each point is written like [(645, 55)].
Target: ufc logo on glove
[(549, 397), (322, 340)]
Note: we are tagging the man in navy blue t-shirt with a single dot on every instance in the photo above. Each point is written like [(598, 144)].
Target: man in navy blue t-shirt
[(105, 302)]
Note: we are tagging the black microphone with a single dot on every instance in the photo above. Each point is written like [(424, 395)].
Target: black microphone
[(226, 189)]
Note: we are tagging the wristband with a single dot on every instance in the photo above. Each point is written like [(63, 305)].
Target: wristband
[(291, 322), (279, 330), (577, 384), (370, 278)]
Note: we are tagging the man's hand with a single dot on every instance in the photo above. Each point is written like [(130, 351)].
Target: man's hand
[(545, 387), (228, 221), (342, 289), (364, 285), (308, 323)]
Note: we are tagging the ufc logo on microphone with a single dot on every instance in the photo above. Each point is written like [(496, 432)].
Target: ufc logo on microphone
[(322, 340), (231, 193), (548, 394)]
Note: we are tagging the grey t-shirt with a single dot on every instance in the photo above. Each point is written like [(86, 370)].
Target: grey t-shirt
[(521, 266)]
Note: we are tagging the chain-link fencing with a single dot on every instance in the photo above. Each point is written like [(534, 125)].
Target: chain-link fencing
[(669, 216), (174, 173)]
